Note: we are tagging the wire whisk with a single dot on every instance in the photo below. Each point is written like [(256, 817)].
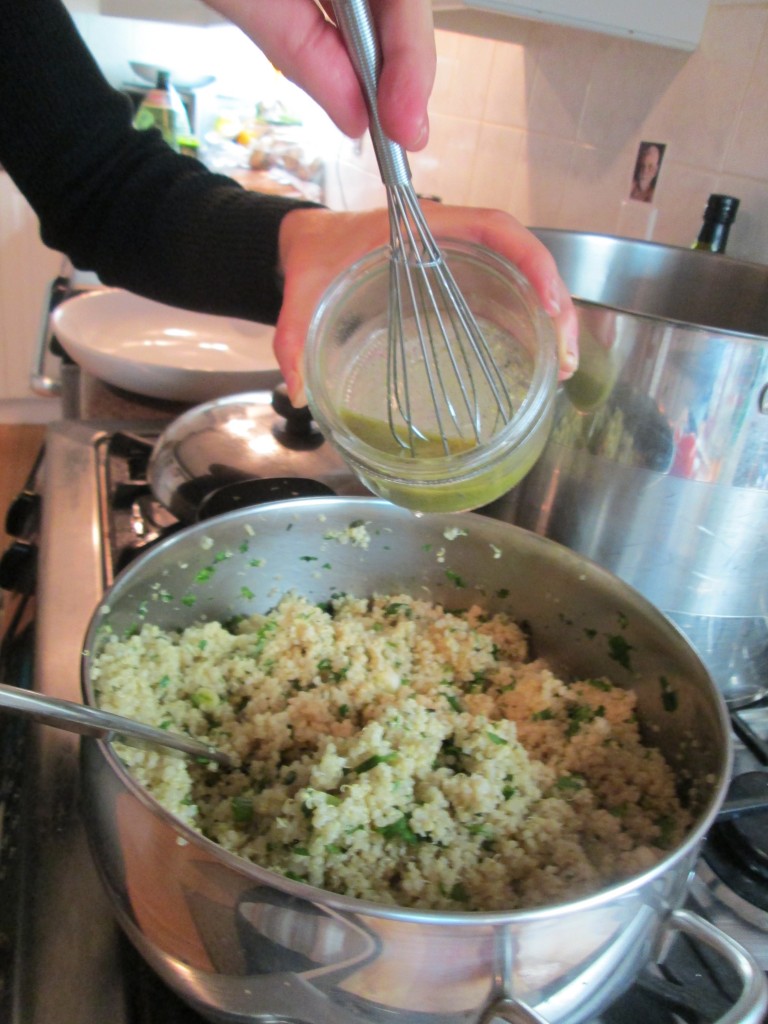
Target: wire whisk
[(445, 386)]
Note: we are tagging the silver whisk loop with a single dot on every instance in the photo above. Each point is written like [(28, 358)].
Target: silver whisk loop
[(462, 377)]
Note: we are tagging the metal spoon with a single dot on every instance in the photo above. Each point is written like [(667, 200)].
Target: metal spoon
[(88, 721)]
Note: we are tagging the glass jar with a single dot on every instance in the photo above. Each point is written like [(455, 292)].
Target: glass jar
[(346, 381)]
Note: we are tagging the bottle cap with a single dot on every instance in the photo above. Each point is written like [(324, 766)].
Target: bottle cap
[(721, 208)]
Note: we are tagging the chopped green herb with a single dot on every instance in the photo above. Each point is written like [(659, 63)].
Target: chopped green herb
[(373, 760), (480, 829), (399, 608), (498, 740), (480, 683), (459, 893), (545, 715), (582, 714), (204, 699), (189, 600), (619, 649), (508, 791), (455, 578), (399, 830), (600, 684), (242, 810), (570, 782), (453, 701), (205, 574), (247, 593)]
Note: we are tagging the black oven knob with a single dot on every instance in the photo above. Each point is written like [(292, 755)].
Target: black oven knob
[(18, 567), (22, 516)]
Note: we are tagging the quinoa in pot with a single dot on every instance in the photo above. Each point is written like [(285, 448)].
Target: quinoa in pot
[(394, 751)]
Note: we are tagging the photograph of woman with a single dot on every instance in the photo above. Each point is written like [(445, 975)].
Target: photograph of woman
[(647, 167)]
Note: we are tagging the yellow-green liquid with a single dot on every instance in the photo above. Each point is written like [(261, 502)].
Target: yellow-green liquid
[(378, 434), (452, 496)]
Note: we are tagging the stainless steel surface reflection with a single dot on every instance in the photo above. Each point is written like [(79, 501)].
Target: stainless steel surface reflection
[(657, 465)]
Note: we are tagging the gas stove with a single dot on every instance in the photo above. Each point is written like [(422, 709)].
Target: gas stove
[(63, 960)]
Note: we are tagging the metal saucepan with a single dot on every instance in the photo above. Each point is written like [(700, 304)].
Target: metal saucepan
[(242, 449), (241, 943)]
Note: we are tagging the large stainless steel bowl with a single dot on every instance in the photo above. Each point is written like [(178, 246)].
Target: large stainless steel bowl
[(241, 943), (657, 466)]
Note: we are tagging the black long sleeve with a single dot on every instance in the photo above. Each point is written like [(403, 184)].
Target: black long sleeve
[(119, 201)]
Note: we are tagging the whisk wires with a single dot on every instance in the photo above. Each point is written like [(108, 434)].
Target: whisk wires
[(444, 383)]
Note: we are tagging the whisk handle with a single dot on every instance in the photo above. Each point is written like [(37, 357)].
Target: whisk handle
[(359, 32)]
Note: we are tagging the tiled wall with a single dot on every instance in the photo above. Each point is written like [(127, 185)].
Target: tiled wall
[(547, 127)]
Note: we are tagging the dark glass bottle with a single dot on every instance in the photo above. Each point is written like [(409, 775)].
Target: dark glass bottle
[(719, 214)]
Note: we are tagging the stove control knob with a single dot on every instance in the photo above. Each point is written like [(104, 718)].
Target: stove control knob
[(22, 515), (299, 430), (18, 567)]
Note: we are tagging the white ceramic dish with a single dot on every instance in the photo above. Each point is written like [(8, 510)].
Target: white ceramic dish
[(163, 352)]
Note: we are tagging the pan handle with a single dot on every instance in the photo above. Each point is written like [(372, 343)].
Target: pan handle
[(752, 1004), (749, 1008)]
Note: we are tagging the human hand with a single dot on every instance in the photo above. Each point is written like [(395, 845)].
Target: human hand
[(317, 245), (308, 49)]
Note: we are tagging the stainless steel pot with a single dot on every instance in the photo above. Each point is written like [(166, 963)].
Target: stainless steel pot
[(657, 466), (241, 943)]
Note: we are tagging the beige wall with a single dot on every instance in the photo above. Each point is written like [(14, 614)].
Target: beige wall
[(547, 127)]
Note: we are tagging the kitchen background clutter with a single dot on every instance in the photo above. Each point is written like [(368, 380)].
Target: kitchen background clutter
[(543, 120)]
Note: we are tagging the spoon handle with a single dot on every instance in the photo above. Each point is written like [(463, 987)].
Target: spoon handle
[(88, 721)]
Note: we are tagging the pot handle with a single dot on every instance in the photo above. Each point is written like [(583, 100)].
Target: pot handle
[(751, 1005), (749, 1008)]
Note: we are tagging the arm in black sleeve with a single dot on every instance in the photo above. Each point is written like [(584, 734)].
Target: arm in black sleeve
[(119, 201)]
